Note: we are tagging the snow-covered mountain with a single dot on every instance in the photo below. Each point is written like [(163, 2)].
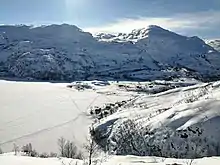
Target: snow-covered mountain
[(214, 43), (65, 52)]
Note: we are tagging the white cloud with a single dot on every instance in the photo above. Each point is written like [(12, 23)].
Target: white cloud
[(176, 22)]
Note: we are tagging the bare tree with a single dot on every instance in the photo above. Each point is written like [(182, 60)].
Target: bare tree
[(68, 149), (91, 147), (1, 152), (15, 148), (61, 144)]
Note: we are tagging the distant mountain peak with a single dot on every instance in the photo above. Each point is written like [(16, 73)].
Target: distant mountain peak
[(150, 28), (137, 34), (154, 27), (148, 31)]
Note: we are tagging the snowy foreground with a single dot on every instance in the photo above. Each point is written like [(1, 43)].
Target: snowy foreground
[(9, 159), (182, 121)]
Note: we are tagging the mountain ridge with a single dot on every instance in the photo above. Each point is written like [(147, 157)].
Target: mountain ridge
[(65, 52)]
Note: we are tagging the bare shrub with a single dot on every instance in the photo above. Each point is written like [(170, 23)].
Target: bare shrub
[(34, 153), (194, 95), (190, 162), (44, 155), (27, 148)]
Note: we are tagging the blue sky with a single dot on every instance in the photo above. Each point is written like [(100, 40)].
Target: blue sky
[(188, 17)]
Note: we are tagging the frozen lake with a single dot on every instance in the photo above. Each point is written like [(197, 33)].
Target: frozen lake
[(41, 112)]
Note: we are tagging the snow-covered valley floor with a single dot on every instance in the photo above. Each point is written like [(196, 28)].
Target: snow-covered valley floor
[(41, 112)]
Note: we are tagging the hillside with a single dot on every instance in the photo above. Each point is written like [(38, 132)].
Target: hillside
[(179, 123), (65, 52)]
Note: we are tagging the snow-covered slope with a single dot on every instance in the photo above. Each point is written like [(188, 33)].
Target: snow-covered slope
[(64, 52), (214, 43), (182, 122)]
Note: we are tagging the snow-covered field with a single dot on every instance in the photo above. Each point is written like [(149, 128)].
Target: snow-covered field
[(41, 112), (9, 159)]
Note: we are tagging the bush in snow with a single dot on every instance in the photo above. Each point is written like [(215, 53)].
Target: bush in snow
[(132, 138), (28, 150), (44, 155), (53, 155), (128, 139)]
